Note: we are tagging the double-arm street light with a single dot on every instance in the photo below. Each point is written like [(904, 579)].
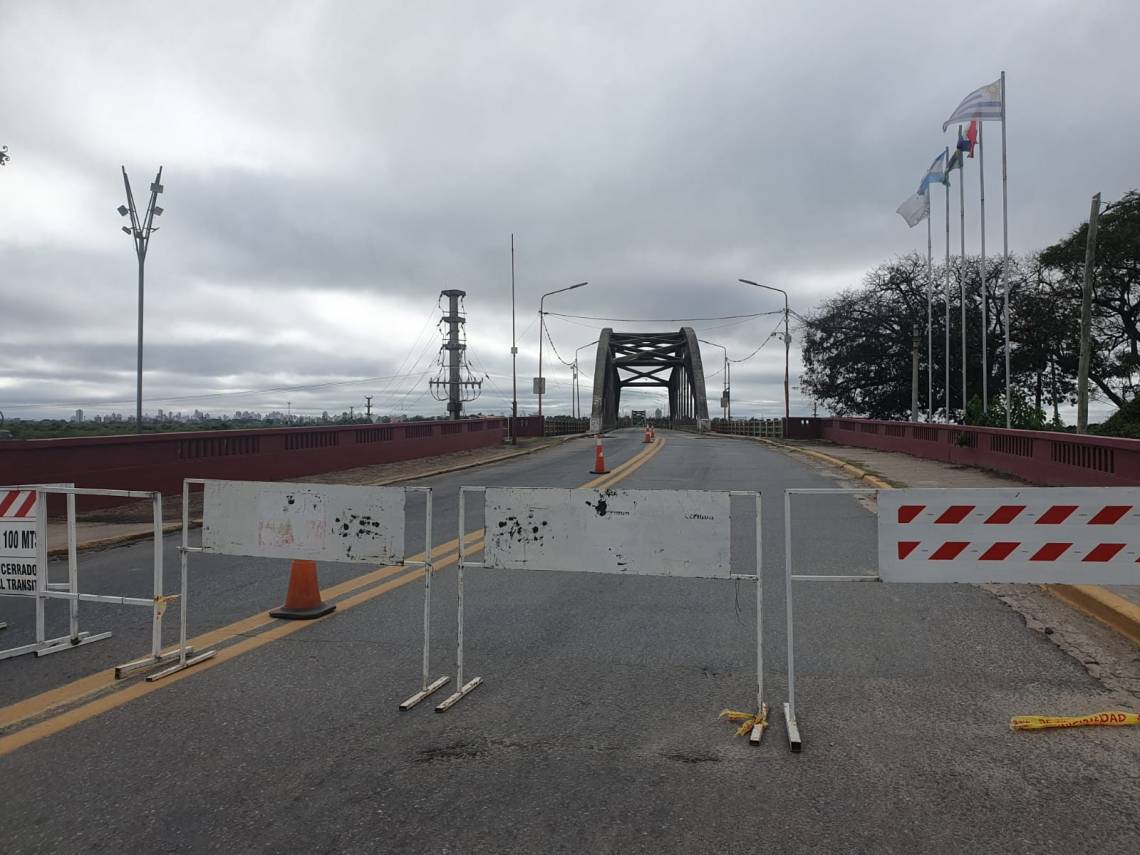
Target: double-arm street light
[(787, 339), (140, 231), (539, 387)]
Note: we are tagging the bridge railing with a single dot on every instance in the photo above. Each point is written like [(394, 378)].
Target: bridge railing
[(160, 461), (763, 428), (1040, 457)]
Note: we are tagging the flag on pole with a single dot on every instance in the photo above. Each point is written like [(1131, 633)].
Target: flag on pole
[(966, 143), (955, 163), (915, 209), (936, 174), (982, 104)]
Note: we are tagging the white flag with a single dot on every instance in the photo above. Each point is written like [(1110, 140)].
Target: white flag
[(915, 209), (983, 104)]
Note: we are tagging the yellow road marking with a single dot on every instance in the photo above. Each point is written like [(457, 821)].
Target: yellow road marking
[(78, 690)]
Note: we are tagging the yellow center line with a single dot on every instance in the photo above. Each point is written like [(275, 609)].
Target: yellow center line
[(78, 690)]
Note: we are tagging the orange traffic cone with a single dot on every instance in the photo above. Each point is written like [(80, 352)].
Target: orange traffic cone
[(648, 434), (303, 601), (599, 457)]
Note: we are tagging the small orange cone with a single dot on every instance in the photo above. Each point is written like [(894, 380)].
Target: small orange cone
[(303, 601), (648, 434), (599, 457)]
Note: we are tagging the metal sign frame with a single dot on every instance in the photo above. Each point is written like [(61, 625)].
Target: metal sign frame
[(69, 590), (427, 686), (795, 741), (465, 688)]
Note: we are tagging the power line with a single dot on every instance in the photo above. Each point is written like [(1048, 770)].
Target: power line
[(757, 350), (663, 320)]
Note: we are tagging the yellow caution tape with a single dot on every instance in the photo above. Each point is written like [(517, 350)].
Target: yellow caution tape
[(1041, 722), (748, 720)]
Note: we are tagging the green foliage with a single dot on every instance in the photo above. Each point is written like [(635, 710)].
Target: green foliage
[(1115, 365), (1025, 415), (1125, 422)]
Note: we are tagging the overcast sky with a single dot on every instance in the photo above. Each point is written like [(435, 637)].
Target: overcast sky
[(330, 167)]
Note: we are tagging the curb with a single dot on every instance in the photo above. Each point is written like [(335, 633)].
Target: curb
[(1097, 602), (170, 528)]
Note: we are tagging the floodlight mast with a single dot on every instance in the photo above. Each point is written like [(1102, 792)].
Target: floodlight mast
[(140, 234)]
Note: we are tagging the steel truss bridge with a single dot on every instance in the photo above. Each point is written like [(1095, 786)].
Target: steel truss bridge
[(671, 359)]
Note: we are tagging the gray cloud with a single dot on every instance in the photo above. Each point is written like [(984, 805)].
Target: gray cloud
[(330, 167)]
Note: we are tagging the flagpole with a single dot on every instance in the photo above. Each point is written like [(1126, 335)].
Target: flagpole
[(985, 306), (1005, 249), (929, 325), (962, 266), (946, 292)]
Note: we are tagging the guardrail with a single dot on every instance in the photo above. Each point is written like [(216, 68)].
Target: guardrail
[(765, 428), (1040, 457), (159, 462)]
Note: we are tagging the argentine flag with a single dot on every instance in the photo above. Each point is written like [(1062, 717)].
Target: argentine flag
[(936, 174)]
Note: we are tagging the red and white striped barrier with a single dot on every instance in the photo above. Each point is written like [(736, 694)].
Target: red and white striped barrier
[(17, 504), (1038, 534)]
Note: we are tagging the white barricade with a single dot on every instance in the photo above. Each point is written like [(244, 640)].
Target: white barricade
[(24, 569), (685, 533), (317, 522), (1036, 535)]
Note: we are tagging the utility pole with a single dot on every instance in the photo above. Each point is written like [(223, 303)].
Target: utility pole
[(1086, 320), (140, 232), (455, 346), (914, 373), (368, 407)]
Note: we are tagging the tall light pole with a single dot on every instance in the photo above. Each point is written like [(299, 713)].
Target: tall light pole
[(140, 232), (787, 339), (578, 387), (539, 386), (727, 405)]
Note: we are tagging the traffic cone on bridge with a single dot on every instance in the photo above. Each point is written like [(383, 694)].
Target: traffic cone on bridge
[(648, 434), (599, 457), (303, 599)]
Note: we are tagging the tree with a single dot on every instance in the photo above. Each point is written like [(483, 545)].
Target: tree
[(1116, 294), (857, 345)]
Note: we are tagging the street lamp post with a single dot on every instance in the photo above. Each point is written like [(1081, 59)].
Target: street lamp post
[(787, 340), (727, 390), (577, 386), (541, 329), (140, 231), (514, 355)]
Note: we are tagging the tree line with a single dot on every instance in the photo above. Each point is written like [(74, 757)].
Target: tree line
[(857, 344)]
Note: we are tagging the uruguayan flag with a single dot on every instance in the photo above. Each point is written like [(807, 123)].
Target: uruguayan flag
[(936, 174), (983, 104)]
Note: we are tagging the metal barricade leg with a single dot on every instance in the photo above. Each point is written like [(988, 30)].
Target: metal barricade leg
[(426, 688), (74, 638), (157, 657), (795, 743), (757, 733), (184, 660), (462, 688)]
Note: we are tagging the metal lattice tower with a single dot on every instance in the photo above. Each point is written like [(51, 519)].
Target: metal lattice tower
[(672, 360), (459, 386)]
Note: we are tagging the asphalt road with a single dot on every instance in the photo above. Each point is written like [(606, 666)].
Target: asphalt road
[(596, 729)]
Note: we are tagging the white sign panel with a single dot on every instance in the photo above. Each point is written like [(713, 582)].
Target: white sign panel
[(19, 565), (322, 522), (1086, 535), (641, 532)]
